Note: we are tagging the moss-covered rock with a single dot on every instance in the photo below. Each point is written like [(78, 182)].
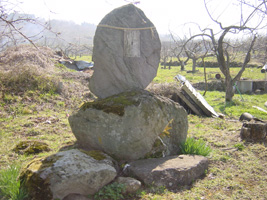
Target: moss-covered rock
[(126, 126), (37, 187), (114, 104), (67, 172), (31, 147)]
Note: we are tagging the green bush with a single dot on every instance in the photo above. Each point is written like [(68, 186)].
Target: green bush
[(112, 191), (195, 147), (10, 186)]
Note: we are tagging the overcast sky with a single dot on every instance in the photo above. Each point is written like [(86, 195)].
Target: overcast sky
[(165, 14)]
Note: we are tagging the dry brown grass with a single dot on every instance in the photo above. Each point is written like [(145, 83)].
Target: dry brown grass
[(26, 55)]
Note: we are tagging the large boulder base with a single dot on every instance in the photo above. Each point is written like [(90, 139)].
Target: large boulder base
[(169, 171), (67, 172), (115, 69), (129, 125)]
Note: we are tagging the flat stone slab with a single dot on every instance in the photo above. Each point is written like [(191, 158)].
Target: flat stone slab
[(169, 171)]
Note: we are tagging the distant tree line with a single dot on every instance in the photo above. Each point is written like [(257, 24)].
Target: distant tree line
[(66, 36)]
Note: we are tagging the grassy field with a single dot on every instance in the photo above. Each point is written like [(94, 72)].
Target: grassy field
[(237, 169)]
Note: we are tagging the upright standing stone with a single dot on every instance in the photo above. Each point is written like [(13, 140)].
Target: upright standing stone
[(126, 52)]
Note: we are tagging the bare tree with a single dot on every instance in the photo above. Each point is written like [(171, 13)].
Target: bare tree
[(197, 50), (165, 52), (12, 26), (221, 45), (178, 51)]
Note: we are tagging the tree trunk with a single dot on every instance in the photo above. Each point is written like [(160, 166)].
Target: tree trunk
[(205, 76), (229, 89), (194, 65), (182, 65)]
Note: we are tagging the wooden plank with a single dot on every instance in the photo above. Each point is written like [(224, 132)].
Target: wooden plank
[(198, 99), (189, 103)]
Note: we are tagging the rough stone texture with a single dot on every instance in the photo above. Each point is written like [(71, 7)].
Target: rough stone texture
[(74, 171), (131, 184), (254, 132), (76, 197), (246, 117), (115, 69), (126, 126), (169, 171)]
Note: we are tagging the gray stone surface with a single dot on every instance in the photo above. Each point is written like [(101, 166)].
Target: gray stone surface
[(246, 117), (124, 59), (67, 172), (76, 197), (169, 171), (131, 184), (128, 126), (265, 104)]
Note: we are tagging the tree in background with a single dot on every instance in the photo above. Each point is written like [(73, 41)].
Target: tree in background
[(165, 52), (222, 46), (18, 28), (12, 31), (178, 50)]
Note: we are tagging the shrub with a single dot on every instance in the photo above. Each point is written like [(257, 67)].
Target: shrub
[(24, 79), (10, 187), (112, 191), (195, 147)]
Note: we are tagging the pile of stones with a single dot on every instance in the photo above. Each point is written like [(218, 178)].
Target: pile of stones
[(126, 126)]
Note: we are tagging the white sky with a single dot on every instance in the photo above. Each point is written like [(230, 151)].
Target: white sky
[(165, 14)]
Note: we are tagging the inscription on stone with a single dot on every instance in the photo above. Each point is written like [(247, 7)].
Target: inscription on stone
[(131, 43)]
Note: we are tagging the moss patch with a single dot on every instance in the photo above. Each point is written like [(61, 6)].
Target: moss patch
[(31, 147), (95, 154), (37, 187), (114, 104)]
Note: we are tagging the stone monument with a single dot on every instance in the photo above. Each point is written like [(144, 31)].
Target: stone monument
[(124, 124), (126, 52)]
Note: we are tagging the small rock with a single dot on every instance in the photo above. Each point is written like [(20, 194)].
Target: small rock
[(265, 104), (257, 91), (246, 117), (131, 184)]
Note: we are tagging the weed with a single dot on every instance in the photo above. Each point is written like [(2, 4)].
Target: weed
[(112, 191), (195, 147), (10, 186), (239, 146)]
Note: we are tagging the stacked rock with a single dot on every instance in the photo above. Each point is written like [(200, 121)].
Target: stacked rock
[(126, 52), (126, 121)]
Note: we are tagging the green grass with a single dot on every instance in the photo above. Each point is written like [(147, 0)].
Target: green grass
[(85, 58), (10, 186), (112, 191), (195, 147), (237, 169), (166, 75), (238, 105)]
